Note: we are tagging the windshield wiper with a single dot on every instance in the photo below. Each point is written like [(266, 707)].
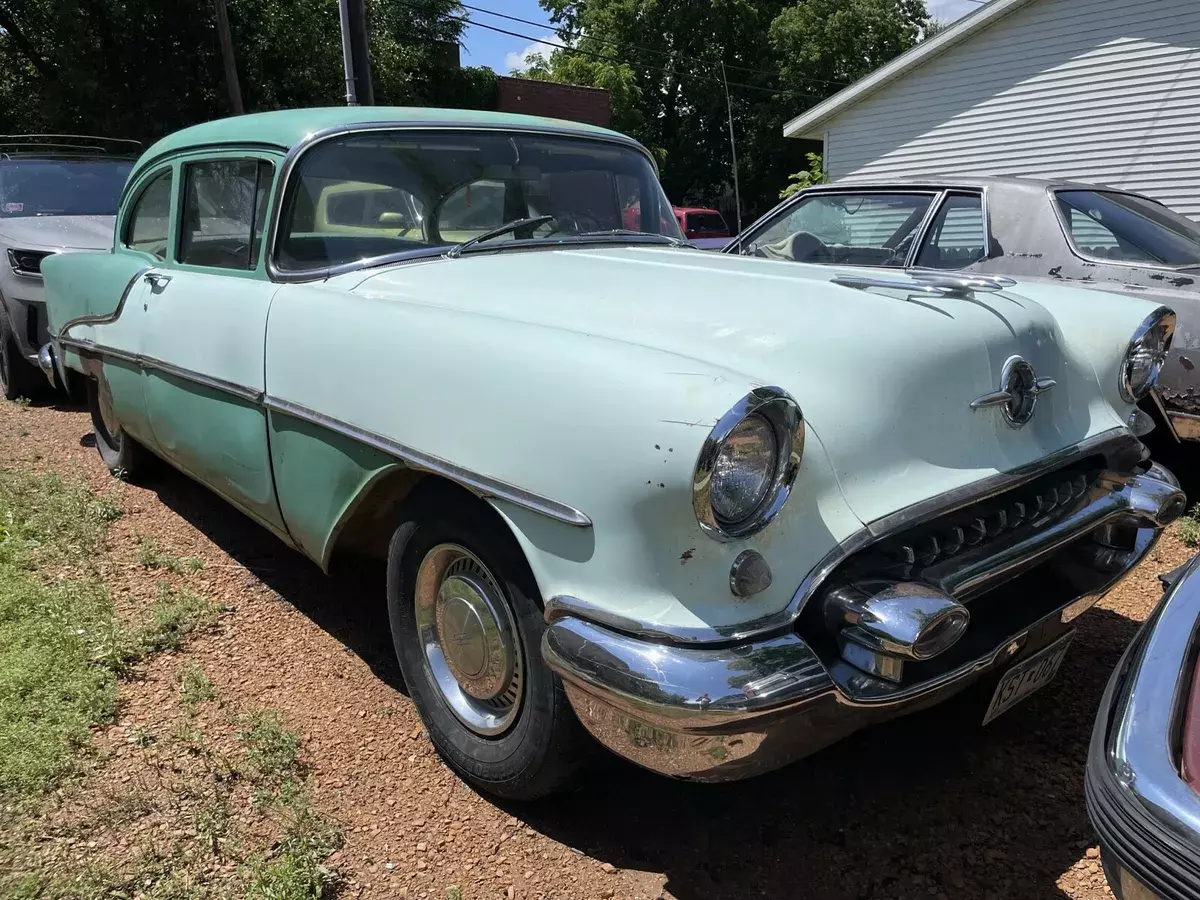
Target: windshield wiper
[(507, 228), (619, 232)]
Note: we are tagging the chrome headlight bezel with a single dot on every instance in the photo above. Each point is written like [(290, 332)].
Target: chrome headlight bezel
[(778, 408), (1161, 321)]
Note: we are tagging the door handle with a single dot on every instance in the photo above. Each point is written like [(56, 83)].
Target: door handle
[(156, 279)]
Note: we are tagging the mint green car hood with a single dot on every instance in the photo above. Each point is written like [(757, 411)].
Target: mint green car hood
[(885, 381)]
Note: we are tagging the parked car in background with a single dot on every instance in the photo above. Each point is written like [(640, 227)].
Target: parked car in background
[(57, 192), (1143, 769), (705, 228), (588, 474), (1082, 234)]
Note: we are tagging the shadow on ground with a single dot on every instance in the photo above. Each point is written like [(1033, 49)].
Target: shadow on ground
[(928, 806)]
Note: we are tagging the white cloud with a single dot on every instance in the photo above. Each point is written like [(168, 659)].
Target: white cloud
[(518, 60), (949, 10)]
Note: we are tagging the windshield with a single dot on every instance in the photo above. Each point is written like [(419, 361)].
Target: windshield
[(370, 195), (860, 229), (44, 187), (702, 223), (1128, 228)]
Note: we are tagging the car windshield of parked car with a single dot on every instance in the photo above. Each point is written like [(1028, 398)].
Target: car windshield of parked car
[(701, 224), (1127, 228), (382, 193), (48, 187), (860, 229)]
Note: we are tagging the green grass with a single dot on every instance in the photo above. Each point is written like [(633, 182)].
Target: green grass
[(151, 557), (52, 689), (194, 686), (1189, 527)]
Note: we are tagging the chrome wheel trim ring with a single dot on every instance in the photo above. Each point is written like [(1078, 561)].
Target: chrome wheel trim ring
[(108, 418), (468, 639)]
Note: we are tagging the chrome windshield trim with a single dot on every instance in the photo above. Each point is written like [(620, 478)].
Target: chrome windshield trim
[(1141, 751), (775, 623), (294, 154), (483, 485), (106, 318), (152, 364)]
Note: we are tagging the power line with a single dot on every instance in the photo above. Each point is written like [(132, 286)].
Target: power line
[(619, 45), (594, 55)]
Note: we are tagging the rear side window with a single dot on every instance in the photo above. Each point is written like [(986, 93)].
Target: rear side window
[(1127, 228), (224, 208), (956, 238), (147, 223)]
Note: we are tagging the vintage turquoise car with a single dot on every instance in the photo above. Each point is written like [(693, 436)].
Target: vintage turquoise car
[(429, 337)]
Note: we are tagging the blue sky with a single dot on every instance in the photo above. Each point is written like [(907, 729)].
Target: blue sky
[(501, 52)]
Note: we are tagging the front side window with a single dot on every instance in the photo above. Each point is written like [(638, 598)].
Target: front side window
[(46, 187), (1127, 228), (431, 190), (857, 229), (956, 237), (224, 206), (147, 223)]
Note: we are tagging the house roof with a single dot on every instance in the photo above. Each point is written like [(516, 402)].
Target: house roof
[(811, 123), (286, 128)]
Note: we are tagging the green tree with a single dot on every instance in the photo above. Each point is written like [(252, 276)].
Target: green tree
[(143, 68), (662, 60)]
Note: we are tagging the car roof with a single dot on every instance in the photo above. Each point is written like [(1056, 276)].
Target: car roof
[(1016, 182), (284, 129)]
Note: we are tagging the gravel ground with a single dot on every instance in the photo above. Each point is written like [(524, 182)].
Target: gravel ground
[(929, 806)]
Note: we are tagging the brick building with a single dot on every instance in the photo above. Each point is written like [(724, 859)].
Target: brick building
[(589, 105)]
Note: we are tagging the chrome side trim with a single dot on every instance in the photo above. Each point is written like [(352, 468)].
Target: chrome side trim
[(483, 485), (863, 282), (150, 363), (291, 160), (106, 318), (1114, 440)]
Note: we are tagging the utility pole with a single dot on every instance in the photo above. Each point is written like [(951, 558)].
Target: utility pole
[(356, 55), (228, 59), (737, 197)]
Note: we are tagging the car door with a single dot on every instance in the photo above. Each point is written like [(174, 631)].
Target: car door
[(203, 344), (123, 285)]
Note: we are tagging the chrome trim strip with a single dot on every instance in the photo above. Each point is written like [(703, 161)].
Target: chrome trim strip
[(1114, 439), (483, 485), (863, 282), (291, 160), (107, 318), (923, 227), (150, 363)]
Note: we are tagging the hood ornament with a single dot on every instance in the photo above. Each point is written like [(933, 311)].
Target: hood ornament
[(1019, 389)]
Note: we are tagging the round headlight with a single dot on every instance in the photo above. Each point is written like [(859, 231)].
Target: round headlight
[(744, 469), (747, 464), (1146, 354)]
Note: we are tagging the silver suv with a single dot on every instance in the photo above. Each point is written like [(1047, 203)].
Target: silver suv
[(58, 193)]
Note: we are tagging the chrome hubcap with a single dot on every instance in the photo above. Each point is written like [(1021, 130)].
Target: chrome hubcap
[(107, 417), (469, 639)]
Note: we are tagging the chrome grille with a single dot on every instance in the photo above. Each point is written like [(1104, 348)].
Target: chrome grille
[(1024, 508)]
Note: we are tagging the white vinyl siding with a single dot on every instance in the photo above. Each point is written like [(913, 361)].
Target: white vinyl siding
[(1104, 91)]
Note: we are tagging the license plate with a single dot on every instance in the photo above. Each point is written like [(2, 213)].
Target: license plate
[(1026, 677)]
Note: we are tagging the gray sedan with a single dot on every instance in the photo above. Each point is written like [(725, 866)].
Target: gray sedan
[(1086, 234)]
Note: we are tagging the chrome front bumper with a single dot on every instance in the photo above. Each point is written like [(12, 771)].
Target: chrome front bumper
[(1146, 815), (724, 712)]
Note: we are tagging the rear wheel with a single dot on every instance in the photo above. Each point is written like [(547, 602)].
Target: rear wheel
[(467, 630), (18, 376), (122, 454)]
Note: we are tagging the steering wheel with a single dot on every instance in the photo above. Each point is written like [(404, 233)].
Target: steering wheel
[(572, 224)]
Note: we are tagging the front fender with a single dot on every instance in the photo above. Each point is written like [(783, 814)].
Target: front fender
[(610, 428)]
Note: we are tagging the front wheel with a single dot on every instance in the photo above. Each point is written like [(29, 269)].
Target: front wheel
[(467, 631), (18, 376), (122, 454)]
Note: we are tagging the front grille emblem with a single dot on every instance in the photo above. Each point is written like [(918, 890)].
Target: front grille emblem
[(1019, 389)]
